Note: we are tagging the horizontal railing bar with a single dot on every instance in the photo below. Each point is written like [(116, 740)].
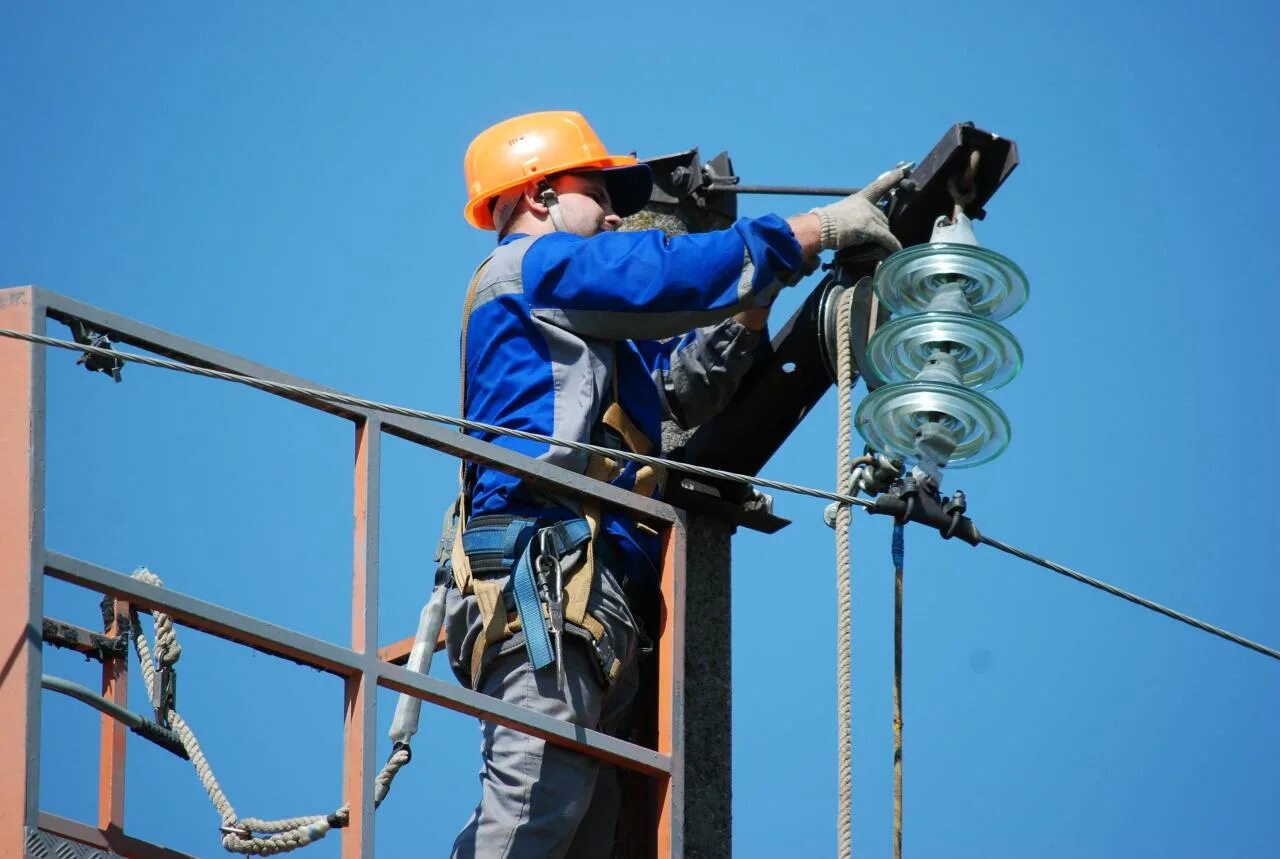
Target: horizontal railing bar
[(208, 617), (397, 652), (576, 737), (126, 330), (416, 430), (544, 474), (112, 841), (317, 653)]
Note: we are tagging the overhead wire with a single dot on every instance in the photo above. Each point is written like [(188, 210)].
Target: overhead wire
[(339, 398), (1133, 598)]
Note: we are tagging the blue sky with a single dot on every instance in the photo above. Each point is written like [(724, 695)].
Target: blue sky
[(283, 181)]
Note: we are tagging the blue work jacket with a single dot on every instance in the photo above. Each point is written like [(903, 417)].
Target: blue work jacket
[(557, 320)]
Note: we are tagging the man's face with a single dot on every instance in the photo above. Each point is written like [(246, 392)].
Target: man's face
[(585, 204)]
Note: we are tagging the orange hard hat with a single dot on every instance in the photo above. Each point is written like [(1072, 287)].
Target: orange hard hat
[(538, 145)]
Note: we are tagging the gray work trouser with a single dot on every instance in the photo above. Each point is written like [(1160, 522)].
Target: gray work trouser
[(537, 799)]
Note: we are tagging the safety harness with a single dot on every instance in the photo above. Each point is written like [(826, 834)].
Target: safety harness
[(481, 552)]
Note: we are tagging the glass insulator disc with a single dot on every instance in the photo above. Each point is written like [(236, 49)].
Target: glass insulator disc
[(987, 355), (993, 284), (889, 417)]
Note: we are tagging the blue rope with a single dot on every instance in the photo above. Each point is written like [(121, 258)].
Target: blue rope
[(897, 547)]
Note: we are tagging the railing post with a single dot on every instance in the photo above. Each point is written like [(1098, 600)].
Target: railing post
[(115, 688), (671, 693), (362, 690), (22, 398)]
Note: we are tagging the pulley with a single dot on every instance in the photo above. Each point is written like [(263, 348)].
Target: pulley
[(993, 285)]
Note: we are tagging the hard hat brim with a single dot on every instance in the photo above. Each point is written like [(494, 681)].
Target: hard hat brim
[(628, 182), (629, 187)]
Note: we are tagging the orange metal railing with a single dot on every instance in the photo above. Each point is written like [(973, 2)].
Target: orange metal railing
[(363, 665)]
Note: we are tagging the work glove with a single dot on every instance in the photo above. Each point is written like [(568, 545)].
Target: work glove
[(856, 220)]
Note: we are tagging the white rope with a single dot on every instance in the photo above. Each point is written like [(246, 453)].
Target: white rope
[(282, 835), (382, 783), (167, 649), (844, 596)]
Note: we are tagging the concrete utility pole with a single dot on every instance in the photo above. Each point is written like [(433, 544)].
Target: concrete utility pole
[(708, 700)]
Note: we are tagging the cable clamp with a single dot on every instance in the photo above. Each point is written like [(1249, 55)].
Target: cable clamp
[(918, 500), (873, 473), (93, 362)]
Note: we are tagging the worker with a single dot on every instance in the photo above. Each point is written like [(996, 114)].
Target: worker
[(575, 330)]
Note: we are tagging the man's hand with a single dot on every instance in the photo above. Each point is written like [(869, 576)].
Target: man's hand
[(855, 220)]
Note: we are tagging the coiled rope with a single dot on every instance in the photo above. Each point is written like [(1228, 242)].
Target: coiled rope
[(274, 836)]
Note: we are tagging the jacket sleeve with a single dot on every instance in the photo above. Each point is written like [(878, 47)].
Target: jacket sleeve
[(647, 286), (696, 375)]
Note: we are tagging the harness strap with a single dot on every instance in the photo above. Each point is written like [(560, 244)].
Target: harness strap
[(493, 619), (547, 196), (620, 422), (577, 593), (488, 592), (529, 607), (649, 480), (461, 567), (499, 544)]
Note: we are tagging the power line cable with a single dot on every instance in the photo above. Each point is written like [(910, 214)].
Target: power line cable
[(1133, 598), (339, 398)]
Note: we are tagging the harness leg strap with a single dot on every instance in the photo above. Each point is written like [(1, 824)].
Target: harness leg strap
[(536, 640)]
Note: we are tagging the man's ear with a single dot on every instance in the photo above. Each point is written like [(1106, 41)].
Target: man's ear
[(532, 201)]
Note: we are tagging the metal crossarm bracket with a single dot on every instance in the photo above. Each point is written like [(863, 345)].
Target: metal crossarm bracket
[(94, 363), (682, 179), (94, 645), (779, 392)]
